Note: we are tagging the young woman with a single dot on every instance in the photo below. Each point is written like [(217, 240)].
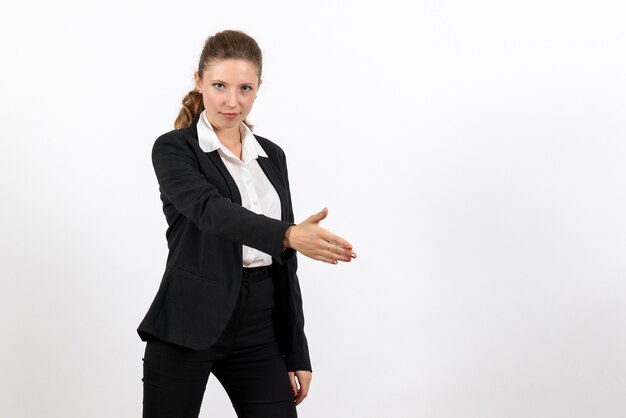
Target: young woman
[(229, 302)]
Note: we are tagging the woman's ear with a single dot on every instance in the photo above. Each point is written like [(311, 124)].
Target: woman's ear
[(198, 81)]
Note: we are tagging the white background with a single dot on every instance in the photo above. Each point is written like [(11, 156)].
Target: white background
[(473, 152)]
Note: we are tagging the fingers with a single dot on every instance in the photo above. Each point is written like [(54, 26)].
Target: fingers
[(331, 252), (338, 252), (336, 257), (336, 240), (304, 379), (294, 386)]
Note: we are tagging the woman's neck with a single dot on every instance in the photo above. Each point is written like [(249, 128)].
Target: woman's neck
[(231, 139)]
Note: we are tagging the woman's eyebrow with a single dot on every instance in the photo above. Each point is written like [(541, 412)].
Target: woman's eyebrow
[(245, 83)]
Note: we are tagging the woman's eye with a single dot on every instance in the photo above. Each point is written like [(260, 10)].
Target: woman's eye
[(246, 88), (218, 85)]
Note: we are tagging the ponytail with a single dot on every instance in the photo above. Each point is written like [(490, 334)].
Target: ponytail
[(192, 107)]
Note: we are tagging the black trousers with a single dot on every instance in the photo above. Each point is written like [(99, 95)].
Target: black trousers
[(245, 359)]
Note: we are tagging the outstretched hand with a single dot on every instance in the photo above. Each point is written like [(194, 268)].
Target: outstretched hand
[(313, 241)]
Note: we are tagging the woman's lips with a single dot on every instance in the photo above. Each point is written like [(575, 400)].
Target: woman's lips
[(230, 115)]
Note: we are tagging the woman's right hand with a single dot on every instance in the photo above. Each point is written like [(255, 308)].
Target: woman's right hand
[(313, 241)]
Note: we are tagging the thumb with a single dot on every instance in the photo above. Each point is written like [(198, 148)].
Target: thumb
[(318, 216), (292, 380)]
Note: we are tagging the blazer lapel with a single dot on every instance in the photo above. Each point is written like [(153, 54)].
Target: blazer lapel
[(270, 171), (217, 161), (268, 166), (234, 190)]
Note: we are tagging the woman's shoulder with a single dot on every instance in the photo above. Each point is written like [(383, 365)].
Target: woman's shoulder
[(178, 140), (175, 135)]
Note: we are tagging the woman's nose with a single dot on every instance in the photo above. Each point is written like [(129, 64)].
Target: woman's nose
[(231, 98)]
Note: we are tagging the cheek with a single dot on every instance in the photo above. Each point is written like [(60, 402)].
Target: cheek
[(248, 101), (211, 99)]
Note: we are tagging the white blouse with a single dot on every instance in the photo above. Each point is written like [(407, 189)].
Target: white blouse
[(257, 193)]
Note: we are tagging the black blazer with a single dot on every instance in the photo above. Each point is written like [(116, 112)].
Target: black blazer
[(206, 229)]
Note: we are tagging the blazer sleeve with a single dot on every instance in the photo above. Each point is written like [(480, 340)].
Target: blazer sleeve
[(298, 358), (188, 189)]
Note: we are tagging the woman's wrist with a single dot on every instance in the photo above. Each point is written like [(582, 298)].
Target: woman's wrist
[(286, 241)]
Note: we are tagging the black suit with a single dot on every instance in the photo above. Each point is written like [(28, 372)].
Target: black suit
[(207, 227)]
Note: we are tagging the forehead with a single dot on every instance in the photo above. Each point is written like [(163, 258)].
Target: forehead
[(232, 70)]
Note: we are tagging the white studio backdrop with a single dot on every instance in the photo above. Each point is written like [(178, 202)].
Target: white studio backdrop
[(473, 153)]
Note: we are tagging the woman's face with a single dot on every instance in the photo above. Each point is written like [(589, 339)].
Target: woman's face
[(228, 89)]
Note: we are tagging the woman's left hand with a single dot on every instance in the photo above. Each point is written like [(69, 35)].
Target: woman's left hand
[(300, 382)]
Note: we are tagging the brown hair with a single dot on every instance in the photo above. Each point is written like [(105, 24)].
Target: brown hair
[(228, 44)]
